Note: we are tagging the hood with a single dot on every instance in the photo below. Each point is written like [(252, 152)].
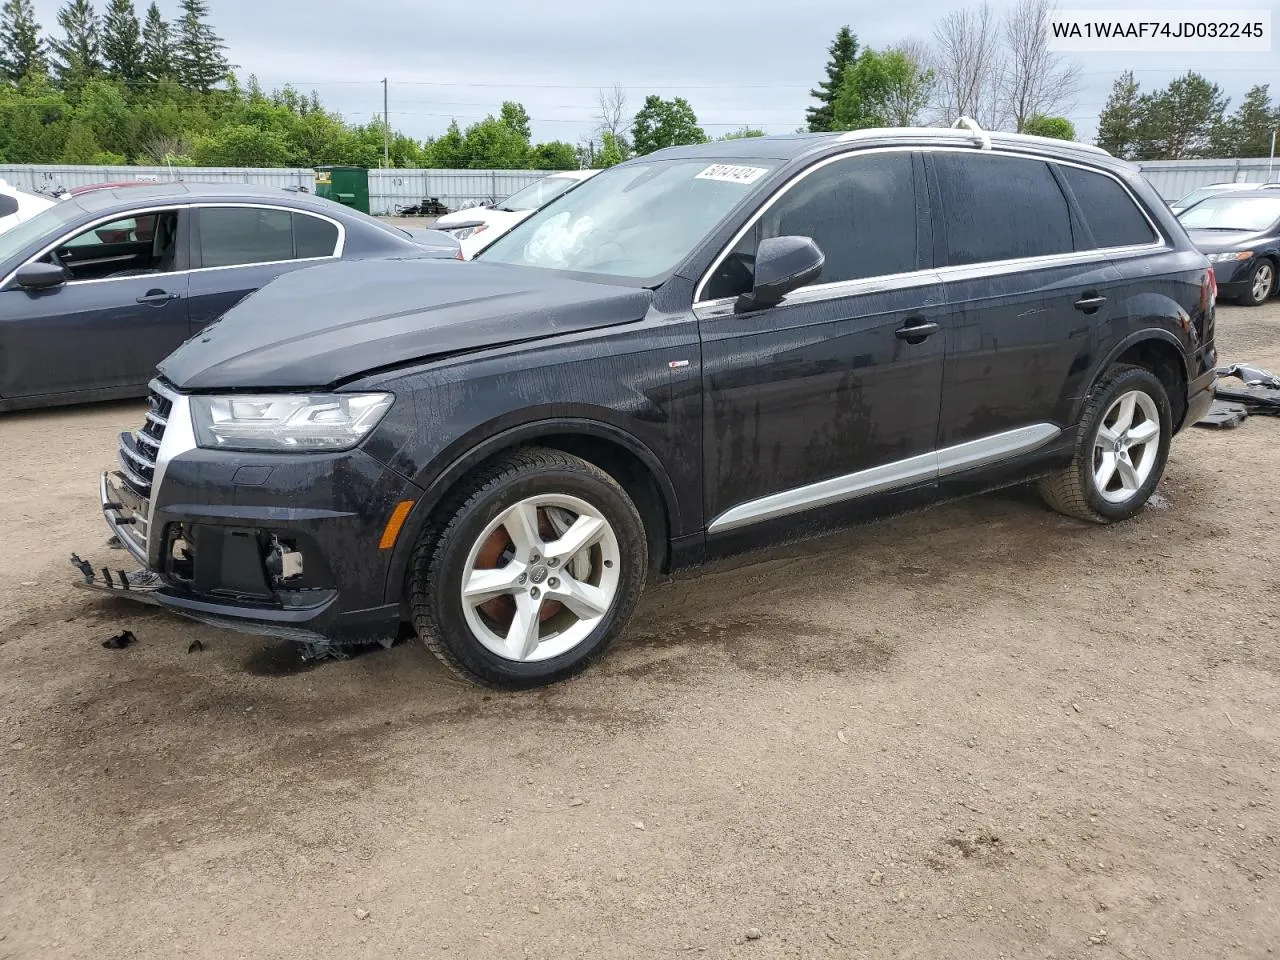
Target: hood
[(317, 326), (1216, 241)]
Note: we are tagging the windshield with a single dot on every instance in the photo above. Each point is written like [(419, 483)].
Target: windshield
[(1233, 213), (537, 195), (14, 240), (1195, 196), (636, 221)]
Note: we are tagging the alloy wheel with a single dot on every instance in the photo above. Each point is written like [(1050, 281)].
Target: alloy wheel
[(540, 577), (1264, 279), (1126, 446)]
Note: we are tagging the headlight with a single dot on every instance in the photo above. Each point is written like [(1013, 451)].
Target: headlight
[(287, 422), (1230, 255), (462, 233)]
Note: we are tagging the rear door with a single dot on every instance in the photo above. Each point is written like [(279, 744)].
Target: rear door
[(237, 248), (123, 310), (1026, 295)]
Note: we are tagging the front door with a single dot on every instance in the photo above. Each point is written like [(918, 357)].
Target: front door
[(829, 400), (123, 310)]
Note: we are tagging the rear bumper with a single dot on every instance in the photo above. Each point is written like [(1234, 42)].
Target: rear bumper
[(1199, 398)]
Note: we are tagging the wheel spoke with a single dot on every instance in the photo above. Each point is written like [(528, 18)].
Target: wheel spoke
[(1124, 418), (583, 533), (584, 601), (526, 627), (1107, 434), (1144, 432), (521, 524), (1106, 470), (1128, 474), (484, 585)]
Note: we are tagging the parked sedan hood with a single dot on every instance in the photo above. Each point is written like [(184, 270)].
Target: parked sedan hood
[(1216, 241), (314, 327)]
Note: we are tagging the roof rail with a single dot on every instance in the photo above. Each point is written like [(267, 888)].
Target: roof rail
[(980, 136)]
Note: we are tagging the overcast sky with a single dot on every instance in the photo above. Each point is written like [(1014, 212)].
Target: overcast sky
[(751, 62)]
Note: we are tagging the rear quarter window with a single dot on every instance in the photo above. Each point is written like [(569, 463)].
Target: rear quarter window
[(1109, 210)]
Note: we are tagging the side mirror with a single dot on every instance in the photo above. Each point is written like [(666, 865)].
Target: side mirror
[(8, 205), (783, 264), (41, 276)]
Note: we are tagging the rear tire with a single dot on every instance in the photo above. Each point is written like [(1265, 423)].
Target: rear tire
[(1122, 445), (1261, 284), (534, 569)]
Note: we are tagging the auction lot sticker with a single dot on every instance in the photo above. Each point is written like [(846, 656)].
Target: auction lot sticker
[(732, 174)]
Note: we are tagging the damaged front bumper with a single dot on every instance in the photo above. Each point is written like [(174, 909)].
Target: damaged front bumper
[(281, 545)]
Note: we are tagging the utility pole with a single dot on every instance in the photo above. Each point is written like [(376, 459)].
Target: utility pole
[(1271, 162), (386, 125)]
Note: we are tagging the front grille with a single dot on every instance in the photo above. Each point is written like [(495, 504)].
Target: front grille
[(140, 450)]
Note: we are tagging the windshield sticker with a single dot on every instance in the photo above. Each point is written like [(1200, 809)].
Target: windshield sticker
[(731, 174)]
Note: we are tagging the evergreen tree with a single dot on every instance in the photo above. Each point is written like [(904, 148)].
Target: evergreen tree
[(844, 51), (77, 57), (1180, 121), (21, 49), (1118, 124), (200, 60), (1248, 132), (157, 47), (122, 42)]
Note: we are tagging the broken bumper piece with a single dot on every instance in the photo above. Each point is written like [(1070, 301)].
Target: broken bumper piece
[(139, 585)]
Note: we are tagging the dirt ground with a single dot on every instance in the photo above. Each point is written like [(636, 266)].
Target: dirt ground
[(984, 731)]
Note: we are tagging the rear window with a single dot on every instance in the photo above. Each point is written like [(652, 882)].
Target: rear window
[(1113, 217), (1000, 208), (234, 236)]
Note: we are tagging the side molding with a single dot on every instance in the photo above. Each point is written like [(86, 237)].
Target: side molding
[(889, 476)]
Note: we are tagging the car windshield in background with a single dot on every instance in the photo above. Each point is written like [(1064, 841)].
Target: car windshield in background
[(1232, 213), (537, 195), (1195, 196), (636, 221)]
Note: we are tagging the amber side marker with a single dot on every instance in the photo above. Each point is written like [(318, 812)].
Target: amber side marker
[(392, 531)]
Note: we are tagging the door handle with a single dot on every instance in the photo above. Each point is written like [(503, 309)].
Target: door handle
[(916, 331), (158, 297), (1090, 302)]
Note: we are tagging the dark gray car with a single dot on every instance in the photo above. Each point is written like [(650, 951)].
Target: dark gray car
[(96, 290), (1240, 234)]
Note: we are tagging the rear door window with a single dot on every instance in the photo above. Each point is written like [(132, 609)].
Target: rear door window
[(1113, 217), (860, 210), (1000, 208), (313, 237), (231, 236)]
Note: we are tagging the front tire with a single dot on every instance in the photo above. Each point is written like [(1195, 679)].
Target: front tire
[(1121, 449), (1261, 284), (536, 567)]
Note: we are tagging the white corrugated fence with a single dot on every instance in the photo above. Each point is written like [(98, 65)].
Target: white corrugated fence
[(390, 190)]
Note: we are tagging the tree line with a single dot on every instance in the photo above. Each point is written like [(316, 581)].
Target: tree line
[(113, 87)]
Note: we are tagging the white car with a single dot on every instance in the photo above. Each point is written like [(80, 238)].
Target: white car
[(1213, 189), (477, 227), (17, 206)]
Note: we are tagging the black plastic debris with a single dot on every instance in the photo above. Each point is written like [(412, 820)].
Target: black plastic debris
[(196, 647), (1224, 415), (1257, 390), (120, 640)]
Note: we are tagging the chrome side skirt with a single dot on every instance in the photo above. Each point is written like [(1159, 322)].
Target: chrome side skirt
[(889, 476)]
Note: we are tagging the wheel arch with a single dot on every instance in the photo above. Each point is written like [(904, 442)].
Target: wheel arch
[(620, 454), (1158, 351)]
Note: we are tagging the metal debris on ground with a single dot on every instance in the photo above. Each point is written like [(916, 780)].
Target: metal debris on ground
[(1258, 390), (120, 640)]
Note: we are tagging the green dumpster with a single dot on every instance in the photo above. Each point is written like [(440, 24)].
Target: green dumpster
[(345, 185)]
